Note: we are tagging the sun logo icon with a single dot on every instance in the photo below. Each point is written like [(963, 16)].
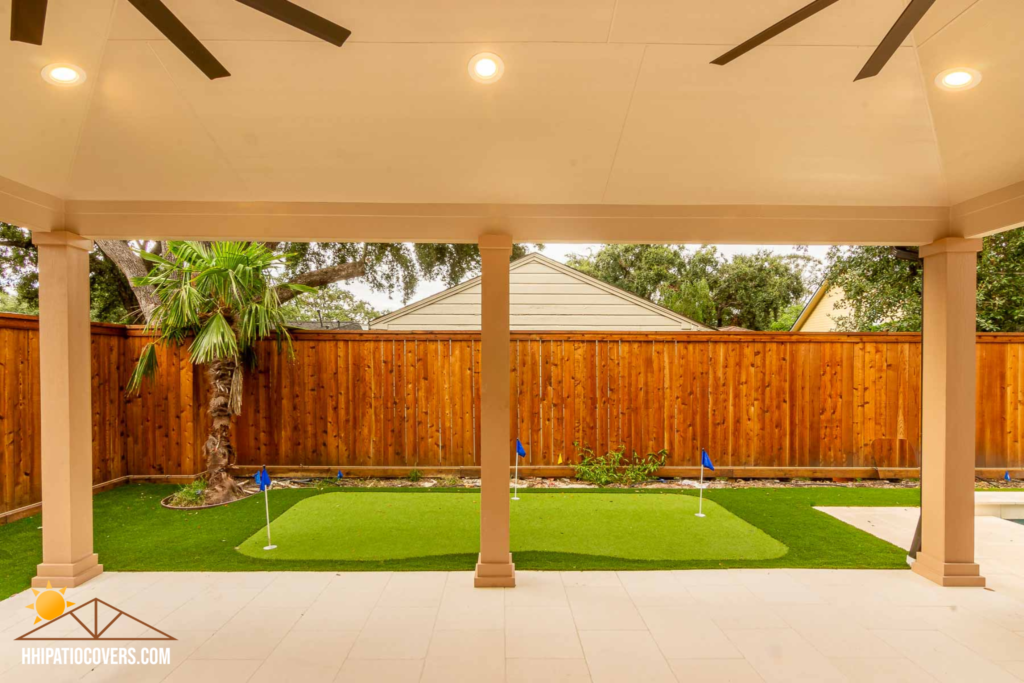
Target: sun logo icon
[(50, 603)]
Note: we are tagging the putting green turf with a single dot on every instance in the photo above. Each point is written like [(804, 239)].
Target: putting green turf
[(133, 533), (385, 526)]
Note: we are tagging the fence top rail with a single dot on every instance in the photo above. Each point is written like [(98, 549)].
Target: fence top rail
[(17, 321)]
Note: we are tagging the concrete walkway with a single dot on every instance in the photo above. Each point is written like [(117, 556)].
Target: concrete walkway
[(736, 625)]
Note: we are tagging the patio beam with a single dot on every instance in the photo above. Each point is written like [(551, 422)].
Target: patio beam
[(65, 386), (550, 223), (948, 407), (495, 568)]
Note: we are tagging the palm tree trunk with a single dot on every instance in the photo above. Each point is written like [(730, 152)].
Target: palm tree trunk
[(220, 486)]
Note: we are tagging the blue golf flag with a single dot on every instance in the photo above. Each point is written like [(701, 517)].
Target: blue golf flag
[(1007, 475), (705, 460), (262, 478), (340, 475), (519, 449)]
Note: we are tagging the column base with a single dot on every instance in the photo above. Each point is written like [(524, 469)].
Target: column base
[(490, 575), (67, 575), (951, 574)]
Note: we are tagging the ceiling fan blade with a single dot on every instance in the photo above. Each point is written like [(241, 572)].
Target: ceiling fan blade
[(28, 17), (769, 33), (176, 32), (302, 19), (895, 37)]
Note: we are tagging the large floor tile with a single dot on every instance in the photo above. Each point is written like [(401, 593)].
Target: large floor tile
[(547, 671), (782, 656), (380, 671), (715, 671), (624, 656)]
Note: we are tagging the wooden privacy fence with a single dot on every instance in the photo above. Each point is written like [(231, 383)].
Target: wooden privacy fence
[(384, 403)]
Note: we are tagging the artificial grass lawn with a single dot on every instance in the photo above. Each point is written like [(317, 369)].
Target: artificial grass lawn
[(383, 526), (133, 533)]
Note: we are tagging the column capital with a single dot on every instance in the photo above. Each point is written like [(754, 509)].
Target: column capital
[(950, 245), (61, 238), (495, 241)]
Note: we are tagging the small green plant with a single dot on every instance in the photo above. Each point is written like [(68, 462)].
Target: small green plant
[(323, 484), (451, 481), (614, 468), (598, 469), (192, 494), (415, 476), (640, 470)]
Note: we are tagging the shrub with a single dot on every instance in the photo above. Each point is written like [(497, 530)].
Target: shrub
[(614, 468), (192, 494), (450, 482), (415, 475)]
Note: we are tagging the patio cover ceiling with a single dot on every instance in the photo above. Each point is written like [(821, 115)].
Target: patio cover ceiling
[(609, 124)]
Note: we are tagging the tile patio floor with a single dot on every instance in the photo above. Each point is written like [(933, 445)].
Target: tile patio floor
[(730, 625)]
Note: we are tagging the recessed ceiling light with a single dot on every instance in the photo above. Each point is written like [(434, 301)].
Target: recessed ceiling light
[(63, 74), (958, 79), (486, 67)]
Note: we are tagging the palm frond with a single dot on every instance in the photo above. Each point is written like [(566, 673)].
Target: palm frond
[(215, 340), (146, 367)]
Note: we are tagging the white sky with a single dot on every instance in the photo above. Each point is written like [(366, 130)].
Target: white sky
[(558, 252)]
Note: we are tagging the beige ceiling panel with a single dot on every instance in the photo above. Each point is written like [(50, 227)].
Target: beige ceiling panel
[(787, 126), (39, 122), (401, 123), (981, 130), (401, 21), (730, 22), (942, 13), (142, 141)]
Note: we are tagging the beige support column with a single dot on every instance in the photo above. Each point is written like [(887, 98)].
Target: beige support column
[(495, 568), (65, 379), (948, 382)]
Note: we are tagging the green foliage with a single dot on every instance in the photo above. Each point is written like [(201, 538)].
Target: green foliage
[(219, 295), (450, 481), (615, 468), (883, 293), (111, 298), (192, 494), (330, 303), (394, 268), (788, 318), (748, 290), (415, 476)]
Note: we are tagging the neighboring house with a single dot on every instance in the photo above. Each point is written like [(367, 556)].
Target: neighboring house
[(817, 314), (545, 295)]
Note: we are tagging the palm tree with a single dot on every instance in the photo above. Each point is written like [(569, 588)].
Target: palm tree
[(221, 297)]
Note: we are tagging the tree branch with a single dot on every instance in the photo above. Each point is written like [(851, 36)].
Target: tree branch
[(321, 277), (129, 263), (16, 244)]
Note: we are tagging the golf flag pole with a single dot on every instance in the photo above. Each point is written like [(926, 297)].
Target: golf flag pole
[(520, 453), (705, 461), (263, 478)]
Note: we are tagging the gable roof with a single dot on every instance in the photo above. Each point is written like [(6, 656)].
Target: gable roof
[(809, 307), (537, 257)]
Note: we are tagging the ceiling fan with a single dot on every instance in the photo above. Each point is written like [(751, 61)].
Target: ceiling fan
[(28, 19), (893, 39)]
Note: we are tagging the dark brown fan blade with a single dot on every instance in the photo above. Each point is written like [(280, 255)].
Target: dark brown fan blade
[(302, 19), (769, 33), (176, 32), (895, 37), (28, 17)]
